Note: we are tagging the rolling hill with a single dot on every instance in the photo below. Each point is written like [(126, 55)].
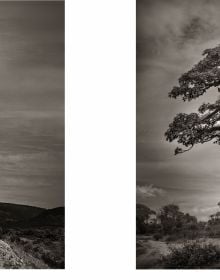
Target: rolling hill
[(49, 217), (23, 215)]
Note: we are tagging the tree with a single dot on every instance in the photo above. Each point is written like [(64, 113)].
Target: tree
[(203, 126), (215, 218), (142, 215), (174, 221), (170, 218)]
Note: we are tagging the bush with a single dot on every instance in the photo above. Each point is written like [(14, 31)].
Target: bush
[(14, 238), (157, 236), (28, 232), (192, 255), (170, 238), (28, 246), (49, 259)]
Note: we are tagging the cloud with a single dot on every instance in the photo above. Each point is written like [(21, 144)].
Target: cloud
[(172, 28), (149, 190), (204, 212)]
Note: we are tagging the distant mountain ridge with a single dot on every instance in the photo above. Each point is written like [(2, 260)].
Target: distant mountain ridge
[(23, 215)]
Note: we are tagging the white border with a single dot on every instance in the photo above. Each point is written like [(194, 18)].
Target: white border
[(102, 138)]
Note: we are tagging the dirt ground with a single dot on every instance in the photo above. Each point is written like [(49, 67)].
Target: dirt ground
[(149, 252)]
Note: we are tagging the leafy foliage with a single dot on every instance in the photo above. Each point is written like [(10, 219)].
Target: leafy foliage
[(173, 220), (168, 221), (201, 127), (142, 215), (192, 255)]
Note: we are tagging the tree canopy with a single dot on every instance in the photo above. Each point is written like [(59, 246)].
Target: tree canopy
[(143, 211), (203, 126)]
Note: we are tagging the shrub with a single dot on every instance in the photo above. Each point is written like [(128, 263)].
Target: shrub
[(192, 255), (49, 259), (28, 232), (37, 241), (13, 238), (28, 246), (48, 242), (157, 236), (35, 248), (170, 238)]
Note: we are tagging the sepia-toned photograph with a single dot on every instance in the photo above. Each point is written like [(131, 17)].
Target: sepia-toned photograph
[(32, 135), (178, 134)]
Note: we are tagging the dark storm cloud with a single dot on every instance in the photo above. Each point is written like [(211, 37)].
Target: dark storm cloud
[(171, 36), (32, 103)]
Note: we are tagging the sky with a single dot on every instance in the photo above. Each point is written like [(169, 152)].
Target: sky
[(171, 36), (32, 103)]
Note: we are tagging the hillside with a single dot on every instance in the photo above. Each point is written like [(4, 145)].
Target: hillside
[(31, 237), (50, 217), (28, 216), (10, 213)]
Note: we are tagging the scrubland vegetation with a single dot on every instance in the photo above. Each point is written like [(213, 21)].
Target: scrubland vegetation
[(37, 247), (173, 239), (31, 237)]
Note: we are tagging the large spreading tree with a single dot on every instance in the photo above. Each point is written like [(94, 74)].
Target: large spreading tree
[(203, 126)]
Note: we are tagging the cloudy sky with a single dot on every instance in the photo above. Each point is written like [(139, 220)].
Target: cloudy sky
[(171, 36), (32, 103)]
